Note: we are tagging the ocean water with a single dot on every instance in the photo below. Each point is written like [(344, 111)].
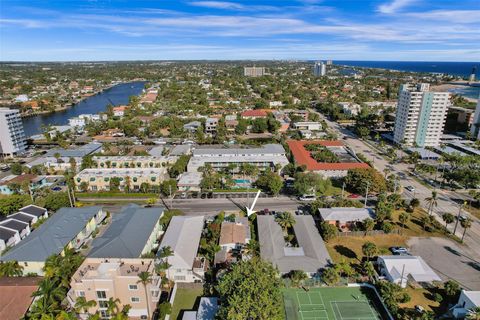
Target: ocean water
[(463, 69)]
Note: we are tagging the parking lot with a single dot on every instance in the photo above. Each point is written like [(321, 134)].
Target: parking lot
[(449, 260)]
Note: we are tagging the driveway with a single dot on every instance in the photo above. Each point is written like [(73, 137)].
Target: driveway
[(449, 260)]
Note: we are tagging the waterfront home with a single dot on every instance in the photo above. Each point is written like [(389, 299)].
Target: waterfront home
[(13, 184)]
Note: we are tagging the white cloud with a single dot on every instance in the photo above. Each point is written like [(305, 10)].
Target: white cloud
[(394, 6), (232, 6), (454, 16)]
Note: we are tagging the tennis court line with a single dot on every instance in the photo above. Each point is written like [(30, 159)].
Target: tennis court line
[(353, 318)]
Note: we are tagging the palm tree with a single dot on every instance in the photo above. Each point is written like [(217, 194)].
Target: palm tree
[(82, 305), (473, 314), (10, 269), (403, 218), (145, 279), (432, 202), (369, 249), (64, 315), (112, 306), (465, 223), (285, 220), (368, 225), (297, 276), (251, 248), (448, 218)]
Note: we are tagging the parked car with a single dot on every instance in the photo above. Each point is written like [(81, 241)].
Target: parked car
[(307, 197), (56, 189), (410, 188), (4, 167), (399, 250), (354, 196)]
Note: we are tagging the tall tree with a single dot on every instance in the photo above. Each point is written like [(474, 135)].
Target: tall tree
[(251, 290), (145, 278)]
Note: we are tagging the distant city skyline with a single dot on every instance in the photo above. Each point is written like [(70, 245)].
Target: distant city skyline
[(93, 30)]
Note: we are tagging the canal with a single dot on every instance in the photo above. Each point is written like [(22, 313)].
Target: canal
[(115, 95)]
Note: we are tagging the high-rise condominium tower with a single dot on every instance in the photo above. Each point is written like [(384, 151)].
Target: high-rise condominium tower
[(420, 116), (12, 136), (319, 69)]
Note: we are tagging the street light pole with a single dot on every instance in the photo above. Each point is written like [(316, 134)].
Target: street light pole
[(343, 189), (458, 218)]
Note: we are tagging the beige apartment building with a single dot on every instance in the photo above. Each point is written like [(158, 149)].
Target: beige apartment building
[(100, 279), (132, 179), (133, 161)]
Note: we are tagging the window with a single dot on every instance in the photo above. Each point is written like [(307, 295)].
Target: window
[(135, 299), (103, 304), (80, 293), (101, 295), (180, 278), (132, 287), (104, 314)]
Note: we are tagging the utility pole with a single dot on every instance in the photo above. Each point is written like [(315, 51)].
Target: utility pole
[(171, 199), (403, 273), (69, 196), (343, 189), (366, 194)]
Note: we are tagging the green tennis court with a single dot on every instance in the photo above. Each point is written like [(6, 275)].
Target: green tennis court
[(346, 303)]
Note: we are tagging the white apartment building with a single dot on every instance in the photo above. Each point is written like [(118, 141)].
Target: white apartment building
[(12, 136), (421, 115), (253, 71), (475, 129)]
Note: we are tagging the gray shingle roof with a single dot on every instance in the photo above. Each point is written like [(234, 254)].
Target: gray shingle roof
[(21, 217), (346, 214), (33, 210), (128, 233), (14, 224), (53, 235), (310, 256), (183, 236), (6, 234), (77, 152)]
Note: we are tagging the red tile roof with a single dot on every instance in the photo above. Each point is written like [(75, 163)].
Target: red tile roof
[(254, 113), (15, 296), (303, 157)]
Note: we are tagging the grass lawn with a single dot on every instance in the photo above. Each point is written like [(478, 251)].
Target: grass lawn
[(413, 227), (420, 297), (350, 248), (184, 300)]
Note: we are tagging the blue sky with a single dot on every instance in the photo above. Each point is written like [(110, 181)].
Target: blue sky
[(415, 30)]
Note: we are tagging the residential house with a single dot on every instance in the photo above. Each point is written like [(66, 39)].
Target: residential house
[(233, 237), (211, 125), (16, 296), (23, 228), (67, 228), (100, 279), (119, 111), (8, 238), (192, 127), (310, 256), (183, 237), (467, 301), (254, 114), (345, 218), (33, 181), (133, 232), (402, 269)]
